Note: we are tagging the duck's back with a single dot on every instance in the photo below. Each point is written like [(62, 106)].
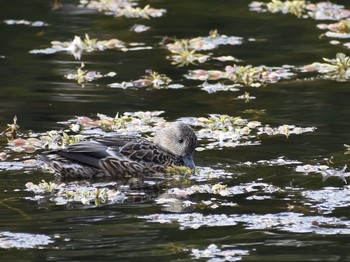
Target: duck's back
[(120, 156)]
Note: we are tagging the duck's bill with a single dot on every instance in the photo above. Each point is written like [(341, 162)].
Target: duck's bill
[(188, 161)]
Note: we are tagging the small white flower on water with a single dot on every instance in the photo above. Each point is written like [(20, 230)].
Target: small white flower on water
[(76, 47), (75, 127)]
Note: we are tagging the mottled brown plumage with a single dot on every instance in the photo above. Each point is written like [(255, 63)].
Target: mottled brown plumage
[(125, 156)]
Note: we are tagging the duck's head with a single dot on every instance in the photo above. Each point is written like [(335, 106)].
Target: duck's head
[(178, 139)]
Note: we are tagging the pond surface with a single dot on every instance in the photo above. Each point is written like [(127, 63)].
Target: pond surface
[(259, 197)]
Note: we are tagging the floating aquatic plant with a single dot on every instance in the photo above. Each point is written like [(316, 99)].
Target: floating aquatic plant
[(246, 97), (77, 129), (180, 170), (318, 11), (125, 8), (284, 221), (216, 131), (295, 7), (219, 190), (11, 132), (227, 131), (304, 9), (126, 123), (23, 240), (137, 28), (280, 161), (84, 192), (78, 46), (213, 88), (243, 75), (328, 199), (204, 43), (152, 79), (84, 76), (59, 139), (50, 140), (340, 29), (90, 193), (25, 22), (337, 68), (186, 51), (347, 149), (186, 56), (325, 170), (214, 253)]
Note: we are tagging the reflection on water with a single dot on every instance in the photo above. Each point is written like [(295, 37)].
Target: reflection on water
[(275, 177)]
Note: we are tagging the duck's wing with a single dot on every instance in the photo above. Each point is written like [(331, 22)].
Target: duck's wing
[(92, 151), (118, 141), (136, 158), (148, 153)]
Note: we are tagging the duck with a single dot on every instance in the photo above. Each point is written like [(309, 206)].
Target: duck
[(125, 156)]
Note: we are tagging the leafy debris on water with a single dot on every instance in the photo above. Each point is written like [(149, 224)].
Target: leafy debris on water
[(78, 46), (192, 220), (210, 42), (246, 97), (17, 165), (77, 129), (128, 123), (285, 221), (336, 173), (295, 7), (177, 200), (325, 171), (137, 28), (25, 22), (215, 131), (213, 88), (297, 223), (123, 8), (286, 130), (339, 29), (152, 79), (186, 51), (311, 168), (23, 240), (280, 161), (225, 253), (90, 193), (84, 76), (337, 68), (181, 199), (303, 9), (328, 199), (77, 192), (224, 190), (347, 149), (11, 132), (243, 75), (227, 131), (207, 174)]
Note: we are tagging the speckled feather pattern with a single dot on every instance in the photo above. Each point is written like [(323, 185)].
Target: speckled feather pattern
[(125, 156)]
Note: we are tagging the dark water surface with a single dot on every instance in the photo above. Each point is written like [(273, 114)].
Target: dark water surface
[(287, 225)]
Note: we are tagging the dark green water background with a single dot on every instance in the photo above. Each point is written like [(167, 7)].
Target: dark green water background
[(33, 88)]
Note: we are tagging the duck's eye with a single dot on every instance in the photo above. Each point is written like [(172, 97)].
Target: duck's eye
[(181, 140)]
